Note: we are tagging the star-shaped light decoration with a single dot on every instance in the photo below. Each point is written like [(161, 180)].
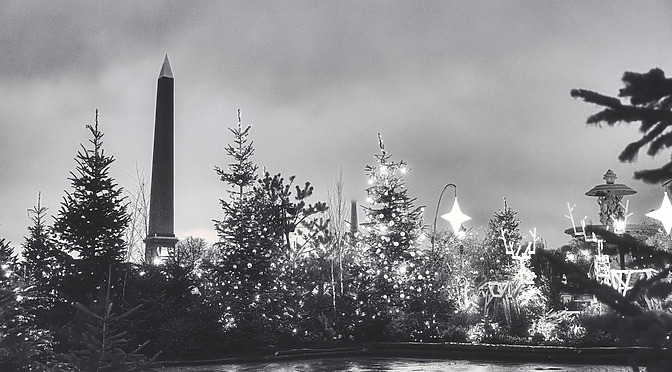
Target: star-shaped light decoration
[(663, 214), (456, 217)]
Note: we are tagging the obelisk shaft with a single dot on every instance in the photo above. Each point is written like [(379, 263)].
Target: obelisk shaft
[(161, 205)]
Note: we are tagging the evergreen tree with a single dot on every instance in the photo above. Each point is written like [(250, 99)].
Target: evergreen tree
[(92, 219), (102, 341), (631, 318), (503, 228), (642, 316), (291, 214), (39, 249), (23, 345), (650, 96), (247, 269), (242, 172), (300, 233), (43, 266), (240, 223), (392, 231), (257, 241)]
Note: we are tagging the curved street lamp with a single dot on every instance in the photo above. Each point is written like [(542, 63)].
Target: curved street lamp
[(455, 216)]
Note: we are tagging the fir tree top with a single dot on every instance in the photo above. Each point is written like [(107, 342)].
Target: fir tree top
[(92, 218), (503, 227), (38, 247), (242, 172), (504, 222)]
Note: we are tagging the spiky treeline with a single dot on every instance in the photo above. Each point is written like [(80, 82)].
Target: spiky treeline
[(92, 219), (495, 263), (393, 228), (650, 96)]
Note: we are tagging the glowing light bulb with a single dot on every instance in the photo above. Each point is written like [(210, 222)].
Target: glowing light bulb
[(619, 226)]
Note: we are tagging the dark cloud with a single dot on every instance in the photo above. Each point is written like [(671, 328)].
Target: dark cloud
[(51, 38), (475, 93)]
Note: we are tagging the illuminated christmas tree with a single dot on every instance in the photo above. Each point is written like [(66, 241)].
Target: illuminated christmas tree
[(267, 228), (503, 228), (247, 251), (392, 231)]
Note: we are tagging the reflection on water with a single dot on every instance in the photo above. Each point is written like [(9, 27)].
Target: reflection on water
[(406, 365)]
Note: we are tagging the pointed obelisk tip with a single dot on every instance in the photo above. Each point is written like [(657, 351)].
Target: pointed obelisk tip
[(166, 71)]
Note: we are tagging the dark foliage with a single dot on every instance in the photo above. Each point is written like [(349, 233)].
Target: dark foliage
[(23, 345), (633, 324), (103, 345), (173, 317), (650, 96)]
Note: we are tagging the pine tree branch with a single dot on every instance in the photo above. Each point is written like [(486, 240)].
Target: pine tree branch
[(655, 176), (663, 141), (596, 98)]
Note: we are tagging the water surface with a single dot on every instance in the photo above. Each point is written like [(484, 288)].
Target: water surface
[(358, 364)]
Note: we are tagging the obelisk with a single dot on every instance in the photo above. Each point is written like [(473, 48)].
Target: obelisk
[(160, 234)]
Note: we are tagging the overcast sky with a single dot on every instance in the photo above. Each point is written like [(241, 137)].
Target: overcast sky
[(474, 93)]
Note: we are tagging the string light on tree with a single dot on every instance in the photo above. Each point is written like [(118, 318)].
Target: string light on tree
[(393, 231)]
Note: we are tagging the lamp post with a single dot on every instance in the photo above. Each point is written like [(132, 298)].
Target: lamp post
[(438, 205), (455, 216)]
